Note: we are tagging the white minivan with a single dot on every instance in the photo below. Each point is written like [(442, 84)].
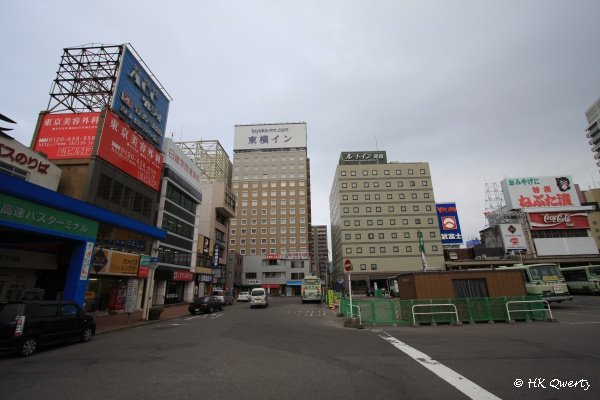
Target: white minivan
[(259, 298)]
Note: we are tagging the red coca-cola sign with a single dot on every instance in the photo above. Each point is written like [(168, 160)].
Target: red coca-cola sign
[(559, 220)]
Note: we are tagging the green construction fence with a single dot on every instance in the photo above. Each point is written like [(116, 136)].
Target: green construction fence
[(377, 311)]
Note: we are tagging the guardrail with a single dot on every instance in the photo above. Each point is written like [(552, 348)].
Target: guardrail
[(544, 302), (358, 315), (455, 312)]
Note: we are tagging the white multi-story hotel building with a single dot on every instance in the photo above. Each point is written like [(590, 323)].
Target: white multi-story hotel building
[(379, 210)]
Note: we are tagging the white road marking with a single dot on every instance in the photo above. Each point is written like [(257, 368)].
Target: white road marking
[(469, 388)]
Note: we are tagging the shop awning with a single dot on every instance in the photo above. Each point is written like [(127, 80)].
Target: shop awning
[(294, 283), (271, 285)]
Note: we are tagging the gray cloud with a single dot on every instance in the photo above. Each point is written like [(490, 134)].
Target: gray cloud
[(481, 90)]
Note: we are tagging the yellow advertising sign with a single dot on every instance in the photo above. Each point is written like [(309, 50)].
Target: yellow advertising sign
[(124, 263)]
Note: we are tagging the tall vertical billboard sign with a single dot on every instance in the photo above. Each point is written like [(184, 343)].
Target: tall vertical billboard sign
[(139, 100), (537, 192), (449, 226), (125, 149)]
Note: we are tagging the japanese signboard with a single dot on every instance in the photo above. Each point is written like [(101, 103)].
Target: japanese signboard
[(67, 136), (271, 136), (183, 276), (39, 170), (513, 237), (139, 100), (540, 192), (125, 149), (38, 217), (558, 220), (87, 260), (111, 262), (363, 157), (298, 255), (181, 163), (450, 232)]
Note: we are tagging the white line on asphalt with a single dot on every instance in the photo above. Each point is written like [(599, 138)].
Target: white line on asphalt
[(469, 388), (580, 323), (574, 313)]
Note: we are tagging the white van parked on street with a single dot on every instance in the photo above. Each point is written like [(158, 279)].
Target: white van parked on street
[(259, 298)]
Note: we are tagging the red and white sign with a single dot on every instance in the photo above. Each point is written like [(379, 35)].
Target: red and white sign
[(67, 136), (559, 220), (513, 237), (143, 271), (273, 256), (131, 153), (449, 223), (540, 192), (347, 266), (183, 276)]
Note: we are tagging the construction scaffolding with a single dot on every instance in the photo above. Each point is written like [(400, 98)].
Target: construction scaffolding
[(211, 158), (496, 211), (86, 78)]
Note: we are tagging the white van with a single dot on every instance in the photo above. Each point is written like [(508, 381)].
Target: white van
[(259, 298), (224, 296)]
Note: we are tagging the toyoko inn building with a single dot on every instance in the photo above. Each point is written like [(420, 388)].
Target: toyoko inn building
[(271, 179)]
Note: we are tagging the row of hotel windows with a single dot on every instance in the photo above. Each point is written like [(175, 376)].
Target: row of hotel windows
[(272, 221), (273, 211), (392, 221), (273, 184), (378, 209), (272, 231), (270, 176), (381, 235), (273, 193), (389, 196), (354, 185), (383, 249), (265, 167), (411, 171), (282, 240), (273, 202), (272, 250), (267, 159)]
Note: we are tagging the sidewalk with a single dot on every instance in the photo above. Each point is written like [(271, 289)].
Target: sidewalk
[(109, 323)]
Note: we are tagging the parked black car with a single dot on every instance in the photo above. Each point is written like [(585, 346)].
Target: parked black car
[(26, 325), (206, 304)]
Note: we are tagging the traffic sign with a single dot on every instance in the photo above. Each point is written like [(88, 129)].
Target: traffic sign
[(347, 266)]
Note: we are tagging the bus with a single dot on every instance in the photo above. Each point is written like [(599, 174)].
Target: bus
[(311, 289), (544, 280), (582, 279)]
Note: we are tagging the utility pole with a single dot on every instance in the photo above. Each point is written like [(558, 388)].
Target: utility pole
[(422, 250)]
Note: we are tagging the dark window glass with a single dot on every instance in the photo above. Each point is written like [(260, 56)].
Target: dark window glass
[(117, 192), (104, 187)]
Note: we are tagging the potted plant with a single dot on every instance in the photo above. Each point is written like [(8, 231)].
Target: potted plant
[(154, 312)]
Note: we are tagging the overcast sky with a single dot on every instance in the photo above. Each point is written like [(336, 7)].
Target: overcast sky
[(482, 90)]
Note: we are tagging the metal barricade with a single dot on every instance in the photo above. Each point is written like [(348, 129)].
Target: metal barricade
[(508, 311), (455, 312), (358, 315)]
